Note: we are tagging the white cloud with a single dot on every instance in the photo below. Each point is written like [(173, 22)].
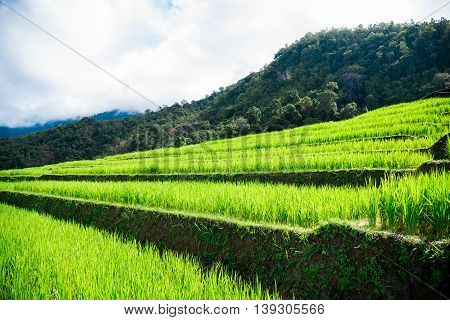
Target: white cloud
[(168, 51)]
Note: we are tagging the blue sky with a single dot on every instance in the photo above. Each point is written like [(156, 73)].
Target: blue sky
[(167, 50)]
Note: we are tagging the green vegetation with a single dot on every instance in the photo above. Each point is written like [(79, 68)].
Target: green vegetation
[(210, 220), (241, 163), (412, 205), (334, 75), (332, 261), (327, 146), (329, 75), (41, 258)]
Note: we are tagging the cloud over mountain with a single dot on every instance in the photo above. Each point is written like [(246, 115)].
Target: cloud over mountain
[(167, 50)]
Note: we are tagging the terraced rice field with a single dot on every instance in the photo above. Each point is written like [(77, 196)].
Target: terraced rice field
[(346, 144), (412, 205), (42, 258), (218, 221)]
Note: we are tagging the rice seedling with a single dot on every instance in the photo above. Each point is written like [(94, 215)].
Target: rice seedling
[(242, 162), (346, 144), (417, 205), (42, 258)]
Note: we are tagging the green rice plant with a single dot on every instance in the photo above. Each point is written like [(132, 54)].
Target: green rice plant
[(346, 144), (42, 258), (418, 205), (369, 146), (241, 163), (412, 205)]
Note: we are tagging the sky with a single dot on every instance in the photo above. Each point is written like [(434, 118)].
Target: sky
[(166, 50)]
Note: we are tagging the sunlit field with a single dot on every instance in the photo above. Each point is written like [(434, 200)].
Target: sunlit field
[(42, 258), (367, 141), (412, 205)]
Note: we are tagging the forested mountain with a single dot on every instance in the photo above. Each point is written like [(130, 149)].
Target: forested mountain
[(18, 131), (330, 75)]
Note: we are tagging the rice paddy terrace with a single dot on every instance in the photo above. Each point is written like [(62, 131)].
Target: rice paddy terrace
[(351, 209)]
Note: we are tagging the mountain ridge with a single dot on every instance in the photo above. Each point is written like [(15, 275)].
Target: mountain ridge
[(9, 132)]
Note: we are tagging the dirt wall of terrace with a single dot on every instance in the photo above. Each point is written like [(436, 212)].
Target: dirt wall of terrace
[(329, 262)]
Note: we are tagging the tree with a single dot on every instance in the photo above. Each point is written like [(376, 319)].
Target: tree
[(291, 97), (253, 116), (307, 107), (349, 111), (179, 141), (291, 115), (441, 80), (332, 86), (371, 101), (352, 80), (326, 102), (275, 108), (237, 126), (242, 125)]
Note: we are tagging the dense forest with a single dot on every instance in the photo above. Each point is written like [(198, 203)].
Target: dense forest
[(331, 75)]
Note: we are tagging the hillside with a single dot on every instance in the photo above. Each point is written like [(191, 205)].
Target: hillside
[(394, 137), (285, 237), (7, 132), (330, 75)]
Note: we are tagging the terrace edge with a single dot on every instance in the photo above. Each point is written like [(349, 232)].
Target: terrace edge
[(353, 177), (333, 261)]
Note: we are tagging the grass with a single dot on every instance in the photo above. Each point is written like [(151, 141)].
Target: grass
[(327, 146), (416, 205), (243, 163), (419, 118), (41, 258)]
